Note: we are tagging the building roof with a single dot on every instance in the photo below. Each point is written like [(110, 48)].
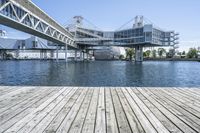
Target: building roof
[(13, 44), (6, 43)]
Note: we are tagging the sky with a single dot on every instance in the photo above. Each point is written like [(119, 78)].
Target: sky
[(182, 16)]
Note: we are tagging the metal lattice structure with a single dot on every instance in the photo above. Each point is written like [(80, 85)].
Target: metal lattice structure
[(139, 34), (25, 16)]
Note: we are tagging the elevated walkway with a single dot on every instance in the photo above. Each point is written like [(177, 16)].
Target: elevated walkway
[(25, 16)]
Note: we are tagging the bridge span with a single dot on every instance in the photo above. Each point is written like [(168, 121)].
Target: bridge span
[(25, 16)]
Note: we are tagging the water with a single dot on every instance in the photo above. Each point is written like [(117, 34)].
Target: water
[(100, 73)]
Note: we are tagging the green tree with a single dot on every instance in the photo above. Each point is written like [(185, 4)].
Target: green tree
[(183, 53), (121, 57), (154, 53), (192, 53), (161, 51), (179, 53), (147, 53), (171, 53), (129, 53)]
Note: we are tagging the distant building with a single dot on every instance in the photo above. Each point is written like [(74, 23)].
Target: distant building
[(107, 53), (31, 48), (2, 33)]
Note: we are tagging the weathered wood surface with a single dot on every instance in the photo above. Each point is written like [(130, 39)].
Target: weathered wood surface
[(99, 110)]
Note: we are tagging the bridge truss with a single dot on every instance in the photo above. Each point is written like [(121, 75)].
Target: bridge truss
[(25, 16)]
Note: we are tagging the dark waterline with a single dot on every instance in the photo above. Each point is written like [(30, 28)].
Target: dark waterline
[(100, 73)]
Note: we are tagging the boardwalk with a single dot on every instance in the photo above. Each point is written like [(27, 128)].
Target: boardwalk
[(99, 110)]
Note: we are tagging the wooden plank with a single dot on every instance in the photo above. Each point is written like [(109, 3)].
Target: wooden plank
[(122, 121), (18, 99), (100, 125), (111, 121), (103, 110), (28, 108), (192, 90), (162, 118), (89, 124), (192, 97), (78, 122), (147, 126), (132, 118), (182, 102), (13, 111), (44, 121), (56, 122), (65, 125), (27, 118), (15, 92), (182, 114), (44, 112), (6, 89), (158, 102), (151, 117)]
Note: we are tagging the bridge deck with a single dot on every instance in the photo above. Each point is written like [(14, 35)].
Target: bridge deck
[(99, 110)]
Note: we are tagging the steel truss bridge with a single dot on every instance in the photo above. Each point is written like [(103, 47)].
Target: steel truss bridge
[(25, 16)]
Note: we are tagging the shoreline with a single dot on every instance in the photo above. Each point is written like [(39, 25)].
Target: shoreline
[(172, 59), (145, 59)]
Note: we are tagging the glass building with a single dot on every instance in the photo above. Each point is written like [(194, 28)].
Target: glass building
[(138, 36)]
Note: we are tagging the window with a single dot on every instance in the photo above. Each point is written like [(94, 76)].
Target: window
[(34, 44)]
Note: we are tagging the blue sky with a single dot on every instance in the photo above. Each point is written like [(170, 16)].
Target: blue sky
[(180, 15)]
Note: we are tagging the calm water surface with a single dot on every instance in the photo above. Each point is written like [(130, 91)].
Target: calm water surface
[(100, 73)]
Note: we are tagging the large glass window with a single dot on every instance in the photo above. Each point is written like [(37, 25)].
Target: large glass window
[(34, 44)]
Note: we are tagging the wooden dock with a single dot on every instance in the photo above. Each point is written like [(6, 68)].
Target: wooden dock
[(99, 110)]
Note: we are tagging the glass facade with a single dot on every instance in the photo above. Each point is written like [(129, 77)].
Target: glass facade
[(147, 35), (129, 36)]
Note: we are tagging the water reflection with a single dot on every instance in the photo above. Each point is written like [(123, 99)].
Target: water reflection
[(100, 73)]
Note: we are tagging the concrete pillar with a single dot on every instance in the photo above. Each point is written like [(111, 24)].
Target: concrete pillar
[(87, 54), (139, 53), (66, 50), (45, 55), (40, 54), (83, 55), (93, 52), (57, 52), (17, 54), (80, 55), (52, 54), (1, 55), (75, 56)]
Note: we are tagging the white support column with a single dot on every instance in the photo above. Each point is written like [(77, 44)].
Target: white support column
[(75, 56), (52, 54), (80, 52), (45, 54), (57, 52), (66, 50), (87, 54), (16, 54), (40, 54), (83, 55), (139, 53)]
